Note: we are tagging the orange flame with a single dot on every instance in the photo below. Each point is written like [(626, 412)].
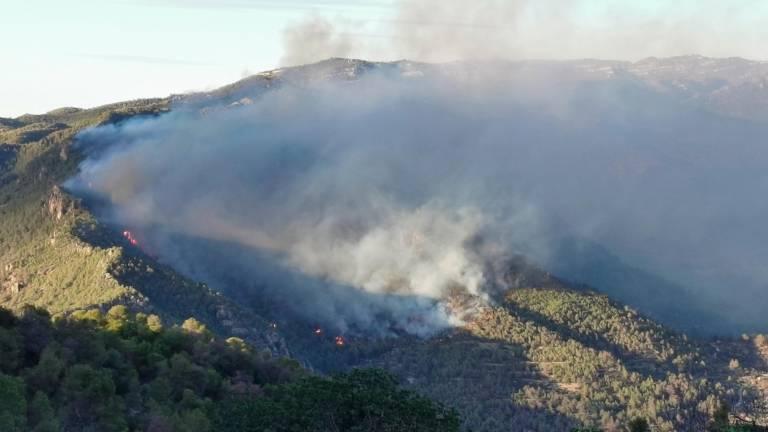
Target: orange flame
[(340, 341), (131, 239), (319, 331)]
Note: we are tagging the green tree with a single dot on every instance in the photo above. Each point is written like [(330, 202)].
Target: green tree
[(362, 400), (90, 403), (46, 375), (41, 415), (639, 425), (36, 329), (117, 318), (13, 405), (10, 348), (7, 318), (154, 323), (194, 326), (720, 418)]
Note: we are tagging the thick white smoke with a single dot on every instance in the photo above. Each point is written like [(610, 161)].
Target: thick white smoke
[(319, 180), (314, 39), (421, 251), (372, 200), (449, 30)]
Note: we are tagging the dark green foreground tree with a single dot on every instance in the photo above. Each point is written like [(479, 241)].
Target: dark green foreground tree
[(365, 400), (95, 372), (639, 425)]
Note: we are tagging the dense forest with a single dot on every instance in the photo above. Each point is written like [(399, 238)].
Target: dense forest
[(607, 368), (120, 372)]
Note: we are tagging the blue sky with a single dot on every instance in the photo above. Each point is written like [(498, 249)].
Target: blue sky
[(90, 52)]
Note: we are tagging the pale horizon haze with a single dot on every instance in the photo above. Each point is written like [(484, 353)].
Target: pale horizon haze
[(86, 53)]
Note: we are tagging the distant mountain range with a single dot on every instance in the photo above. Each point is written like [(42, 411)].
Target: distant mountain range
[(730, 86)]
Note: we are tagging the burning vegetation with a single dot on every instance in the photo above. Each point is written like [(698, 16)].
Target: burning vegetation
[(130, 237)]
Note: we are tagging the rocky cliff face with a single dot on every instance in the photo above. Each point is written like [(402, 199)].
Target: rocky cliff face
[(57, 204), (12, 282)]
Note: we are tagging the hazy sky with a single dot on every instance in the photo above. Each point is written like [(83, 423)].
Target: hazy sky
[(90, 52)]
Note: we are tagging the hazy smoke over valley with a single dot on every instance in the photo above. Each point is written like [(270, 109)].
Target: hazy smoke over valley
[(365, 203)]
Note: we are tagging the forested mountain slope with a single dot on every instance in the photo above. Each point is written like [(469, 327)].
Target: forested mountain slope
[(545, 355), (121, 372), (55, 255)]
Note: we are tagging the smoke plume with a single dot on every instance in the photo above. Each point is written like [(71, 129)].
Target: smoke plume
[(312, 40), (372, 201), (441, 31)]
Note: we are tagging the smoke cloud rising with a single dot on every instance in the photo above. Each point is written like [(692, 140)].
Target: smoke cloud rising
[(314, 39), (441, 31), (372, 201)]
